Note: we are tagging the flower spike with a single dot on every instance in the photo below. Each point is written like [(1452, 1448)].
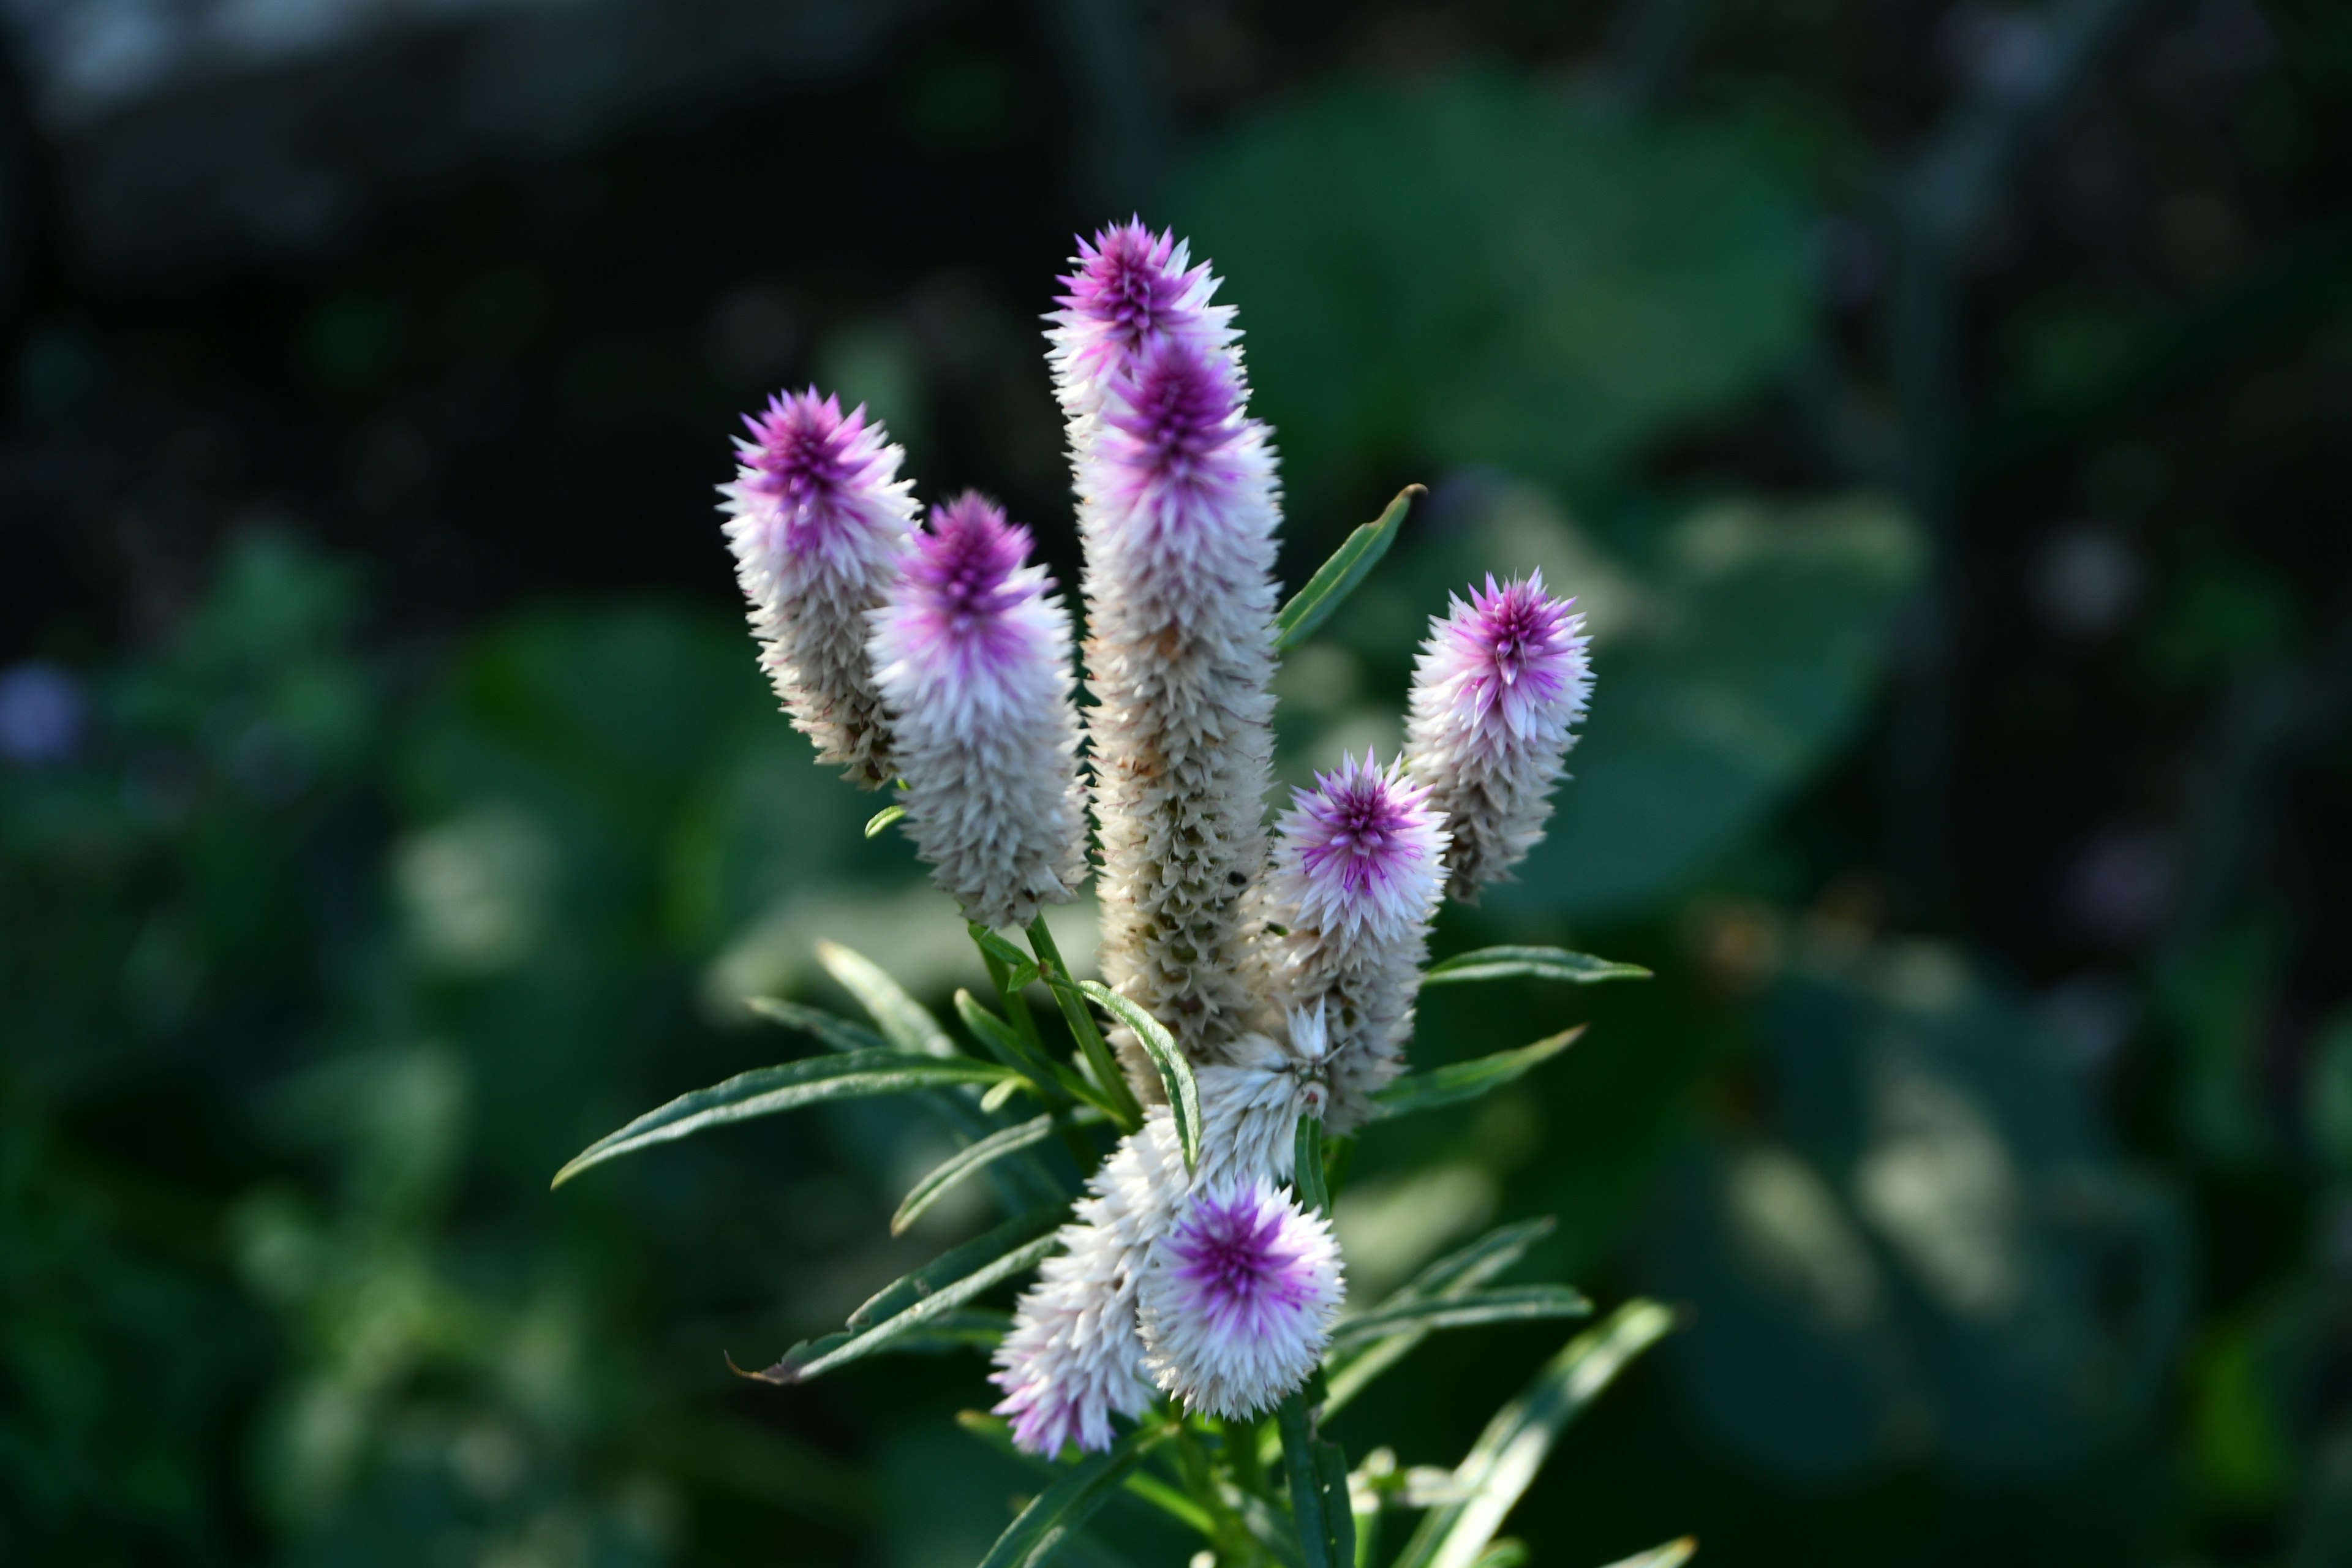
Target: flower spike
[(1499, 686), (974, 662), (819, 521)]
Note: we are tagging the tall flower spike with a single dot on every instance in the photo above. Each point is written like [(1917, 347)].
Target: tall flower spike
[(1499, 685), (818, 520), (1238, 1299), (1178, 509), (1128, 288), (974, 661), (1357, 876)]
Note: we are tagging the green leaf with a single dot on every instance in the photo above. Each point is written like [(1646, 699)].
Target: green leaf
[(1504, 1554), (966, 1160), (904, 1021), (1055, 970), (1454, 1275), (764, 1091), (1010, 1046), (967, 1327), (834, 1033), (1337, 577), (1175, 1072), (1046, 1526), (1533, 962), (1306, 1167), (1309, 1503), (1511, 1304), (1339, 1511), (1019, 969), (921, 1299), (1452, 1084), (997, 1433), (1673, 1554), (1503, 1461), (883, 818)]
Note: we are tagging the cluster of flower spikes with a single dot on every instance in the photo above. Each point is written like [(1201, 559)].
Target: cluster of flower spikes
[(1286, 970)]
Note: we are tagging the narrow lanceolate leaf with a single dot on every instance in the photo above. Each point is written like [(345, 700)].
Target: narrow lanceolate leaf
[(1673, 1554), (924, 1298), (1454, 1084), (1506, 1456), (902, 1020), (1510, 1304), (764, 1091), (1018, 968), (1306, 1167), (1453, 1276), (883, 818), (1046, 1526), (1310, 1506), (966, 1161), (1175, 1072), (1338, 577), (836, 1034), (997, 1433), (1531, 963)]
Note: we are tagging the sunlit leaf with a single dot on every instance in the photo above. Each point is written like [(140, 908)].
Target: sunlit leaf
[(883, 818), (1510, 1304), (1046, 1526), (764, 1091), (1337, 577), (1529, 962), (923, 1298), (1673, 1554), (1175, 1071), (1503, 1461), (1452, 1084), (903, 1021), (1055, 970)]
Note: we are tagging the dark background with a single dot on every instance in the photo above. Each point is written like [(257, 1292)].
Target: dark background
[(1944, 411)]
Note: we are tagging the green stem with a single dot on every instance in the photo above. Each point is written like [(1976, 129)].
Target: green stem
[(1236, 1549), (1064, 984), (1241, 1458)]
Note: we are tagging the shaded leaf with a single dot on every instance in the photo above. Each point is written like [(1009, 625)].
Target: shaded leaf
[(834, 1033), (903, 1021), (997, 1433), (1046, 1526), (1350, 1372), (1511, 1304), (1503, 1461), (1310, 1509), (1337, 577), (1531, 962), (965, 1162), (1452, 1084), (921, 1299), (764, 1091)]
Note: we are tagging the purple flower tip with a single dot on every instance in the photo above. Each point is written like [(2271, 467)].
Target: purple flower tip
[(1364, 846), (963, 589), (808, 458), (1513, 653), (1131, 284), (1179, 408)]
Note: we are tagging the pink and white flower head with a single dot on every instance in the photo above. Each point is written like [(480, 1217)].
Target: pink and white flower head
[(974, 662), (1178, 506), (818, 520), (1361, 857), (1497, 693), (1238, 1299), (1127, 288)]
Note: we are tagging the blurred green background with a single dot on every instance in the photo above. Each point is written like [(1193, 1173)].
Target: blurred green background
[(1942, 410)]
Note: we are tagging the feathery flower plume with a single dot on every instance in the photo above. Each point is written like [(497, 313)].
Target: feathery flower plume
[(972, 659), (1499, 684), (1128, 287), (1238, 1300), (1178, 508), (1357, 876), (1075, 1357), (818, 520)]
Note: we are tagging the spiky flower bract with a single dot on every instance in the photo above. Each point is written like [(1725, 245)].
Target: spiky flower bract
[(1178, 506), (1499, 686), (818, 520), (1238, 1299), (974, 662), (1358, 873), (1128, 288)]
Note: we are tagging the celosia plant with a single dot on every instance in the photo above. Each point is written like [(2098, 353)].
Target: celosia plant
[(1188, 1332)]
